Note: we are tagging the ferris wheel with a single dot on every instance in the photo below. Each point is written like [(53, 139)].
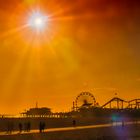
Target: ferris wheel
[(85, 99)]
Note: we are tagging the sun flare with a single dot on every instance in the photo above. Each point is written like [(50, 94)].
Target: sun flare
[(38, 21)]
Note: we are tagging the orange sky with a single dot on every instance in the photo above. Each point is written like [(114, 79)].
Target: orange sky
[(90, 45)]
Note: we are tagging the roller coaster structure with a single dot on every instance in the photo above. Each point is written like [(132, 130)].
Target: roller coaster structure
[(114, 103), (122, 104)]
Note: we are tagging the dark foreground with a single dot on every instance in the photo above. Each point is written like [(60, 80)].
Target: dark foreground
[(129, 132)]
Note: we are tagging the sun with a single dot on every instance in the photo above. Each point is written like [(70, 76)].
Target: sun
[(38, 21), (39, 27)]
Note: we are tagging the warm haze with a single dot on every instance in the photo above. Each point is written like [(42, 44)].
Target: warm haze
[(87, 45)]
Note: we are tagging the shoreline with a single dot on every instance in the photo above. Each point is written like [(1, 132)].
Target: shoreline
[(130, 131)]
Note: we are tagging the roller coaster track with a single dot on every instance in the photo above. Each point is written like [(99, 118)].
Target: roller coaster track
[(135, 103)]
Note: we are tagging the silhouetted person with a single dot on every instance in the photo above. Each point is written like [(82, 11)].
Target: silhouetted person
[(74, 123), (10, 127), (43, 126), (28, 127), (20, 127), (40, 127)]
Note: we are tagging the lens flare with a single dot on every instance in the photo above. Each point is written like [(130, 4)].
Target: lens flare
[(38, 21)]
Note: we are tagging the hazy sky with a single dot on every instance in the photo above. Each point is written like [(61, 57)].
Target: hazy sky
[(89, 45)]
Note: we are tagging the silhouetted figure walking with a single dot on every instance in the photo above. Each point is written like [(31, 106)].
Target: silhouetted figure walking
[(40, 127), (10, 127), (43, 126), (74, 123), (28, 127), (20, 127)]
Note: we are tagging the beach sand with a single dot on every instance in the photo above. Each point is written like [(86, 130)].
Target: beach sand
[(129, 132)]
